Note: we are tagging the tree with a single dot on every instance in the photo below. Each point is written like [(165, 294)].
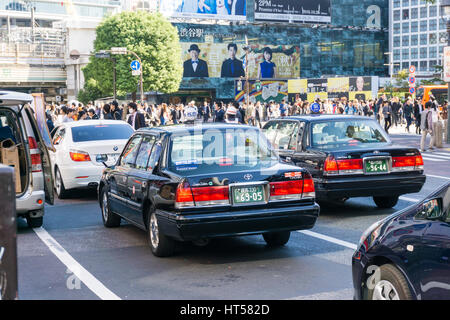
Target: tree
[(401, 77), (153, 38), (90, 92)]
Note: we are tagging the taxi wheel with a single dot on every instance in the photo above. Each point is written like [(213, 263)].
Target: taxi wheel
[(61, 191), (277, 239), (388, 283), (385, 202), (110, 219), (161, 245)]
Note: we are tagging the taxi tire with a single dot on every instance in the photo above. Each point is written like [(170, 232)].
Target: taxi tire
[(277, 239), (166, 245), (389, 272), (63, 192), (386, 202), (113, 220), (35, 222)]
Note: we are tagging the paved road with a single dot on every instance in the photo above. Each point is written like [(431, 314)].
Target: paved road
[(117, 263)]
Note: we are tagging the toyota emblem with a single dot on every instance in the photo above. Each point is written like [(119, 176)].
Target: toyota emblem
[(248, 176)]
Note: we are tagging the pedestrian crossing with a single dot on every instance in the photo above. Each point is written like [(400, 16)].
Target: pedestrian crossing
[(436, 156)]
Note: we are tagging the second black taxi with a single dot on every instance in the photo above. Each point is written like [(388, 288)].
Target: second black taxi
[(348, 156), (193, 183)]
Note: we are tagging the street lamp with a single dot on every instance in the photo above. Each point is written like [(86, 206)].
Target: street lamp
[(445, 14)]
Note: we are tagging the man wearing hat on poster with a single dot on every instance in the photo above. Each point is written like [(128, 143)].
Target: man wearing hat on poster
[(195, 67)]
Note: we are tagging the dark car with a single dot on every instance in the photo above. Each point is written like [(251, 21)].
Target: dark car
[(348, 156), (407, 255), (193, 183)]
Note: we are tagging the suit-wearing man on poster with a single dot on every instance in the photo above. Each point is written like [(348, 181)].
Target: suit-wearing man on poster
[(232, 67), (195, 67)]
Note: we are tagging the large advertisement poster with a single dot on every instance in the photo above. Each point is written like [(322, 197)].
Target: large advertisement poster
[(204, 9), (306, 11), (227, 60), (270, 90)]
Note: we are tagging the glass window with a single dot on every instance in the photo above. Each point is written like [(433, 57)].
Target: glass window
[(396, 28), (414, 13), (414, 2), (432, 53), (414, 26), (443, 37), (405, 14), (423, 53), (286, 131), (414, 53), (405, 41), (433, 11), (396, 3), (396, 42), (423, 65), (349, 133), (130, 152), (423, 25), (101, 132), (423, 12), (423, 39), (414, 40), (405, 27), (405, 3), (432, 25), (432, 38), (396, 15), (432, 63), (442, 25), (59, 136), (220, 150), (405, 54), (396, 55), (144, 152), (405, 65)]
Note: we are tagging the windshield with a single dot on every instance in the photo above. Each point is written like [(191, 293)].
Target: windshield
[(101, 132), (223, 150), (347, 133)]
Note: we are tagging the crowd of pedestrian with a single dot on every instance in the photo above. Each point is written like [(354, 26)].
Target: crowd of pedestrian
[(391, 113)]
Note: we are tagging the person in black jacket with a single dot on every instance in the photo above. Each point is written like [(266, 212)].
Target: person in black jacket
[(136, 119), (107, 112), (232, 67), (115, 111), (407, 112)]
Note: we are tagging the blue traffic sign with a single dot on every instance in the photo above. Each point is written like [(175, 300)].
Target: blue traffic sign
[(412, 80), (135, 65), (412, 90), (315, 107)]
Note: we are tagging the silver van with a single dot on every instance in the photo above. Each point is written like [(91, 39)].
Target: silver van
[(18, 123)]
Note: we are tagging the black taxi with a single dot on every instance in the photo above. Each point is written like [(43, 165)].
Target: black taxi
[(193, 183), (348, 156)]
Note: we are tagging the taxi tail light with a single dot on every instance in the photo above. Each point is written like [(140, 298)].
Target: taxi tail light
[(286, 190), (308, 187), (330, 166), (407, 163), (79, 156), (184, 197), (211, 195), (350, 166), (35, 153)]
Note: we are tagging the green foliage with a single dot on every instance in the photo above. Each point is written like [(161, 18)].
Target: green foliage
[(153, 38), (90, 92)]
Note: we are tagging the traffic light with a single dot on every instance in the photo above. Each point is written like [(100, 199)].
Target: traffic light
[(239, 85)]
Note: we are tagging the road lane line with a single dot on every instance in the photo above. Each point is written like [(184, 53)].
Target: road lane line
[(432, 155), (432, 159), (329, 239), (81, 273), (440, 177)]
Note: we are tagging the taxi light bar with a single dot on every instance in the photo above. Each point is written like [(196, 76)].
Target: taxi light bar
[(79, 156)]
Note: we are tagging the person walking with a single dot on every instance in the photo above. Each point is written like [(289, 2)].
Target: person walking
[(407, 112), (426, 125), (136, 119), (107, 112), (387, 113)]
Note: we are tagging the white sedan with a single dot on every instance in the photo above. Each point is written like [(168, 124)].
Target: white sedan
[(81, 147)]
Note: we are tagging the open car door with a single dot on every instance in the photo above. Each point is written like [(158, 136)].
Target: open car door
[(40, 131)]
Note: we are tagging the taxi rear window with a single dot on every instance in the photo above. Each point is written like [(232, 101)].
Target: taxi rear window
[(223, 150), (347, 133)]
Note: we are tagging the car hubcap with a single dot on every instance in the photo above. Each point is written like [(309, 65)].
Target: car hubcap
[(105, 206), (154, 234), (58, 182), (384, 290)]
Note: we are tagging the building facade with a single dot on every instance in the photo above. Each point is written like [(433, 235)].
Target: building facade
[(417, 36)]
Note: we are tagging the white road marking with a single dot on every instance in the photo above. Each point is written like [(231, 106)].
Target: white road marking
[(432, 159), (408, 199), (442, 153), (81, 273), (344, 294), (432, 155), (329, 239), (440, 177)]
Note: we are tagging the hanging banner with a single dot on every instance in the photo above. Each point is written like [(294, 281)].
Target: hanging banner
[(305, 11)]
